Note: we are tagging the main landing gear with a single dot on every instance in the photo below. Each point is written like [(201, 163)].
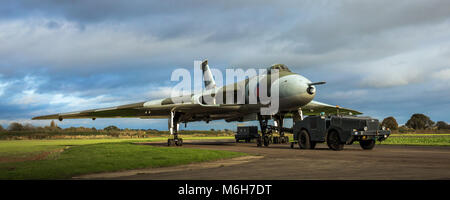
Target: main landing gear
[(174, 125), (266, 137), (278, 122)]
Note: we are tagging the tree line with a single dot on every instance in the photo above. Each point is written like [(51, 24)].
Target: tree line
[(416, 122), (15, 130)]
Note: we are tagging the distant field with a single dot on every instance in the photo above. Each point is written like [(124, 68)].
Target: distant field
[(62, 159), (418, 139), (413, 139)]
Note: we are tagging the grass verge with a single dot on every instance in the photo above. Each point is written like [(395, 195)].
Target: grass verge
[(24, 148), (106, 157), (45, 159)]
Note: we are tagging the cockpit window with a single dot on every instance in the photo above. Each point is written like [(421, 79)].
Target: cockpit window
[(279, 67)]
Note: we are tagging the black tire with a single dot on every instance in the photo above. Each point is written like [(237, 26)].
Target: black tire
[(334, 142), (259, 142), (367, 144), (179, 142), (266, 141), (247, 140), (292, 145), (283, 140), (313, 145), (303, 140), (275, 140), (237, 140), (170, 142)]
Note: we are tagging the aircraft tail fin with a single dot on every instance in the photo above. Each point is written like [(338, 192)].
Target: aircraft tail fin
[(207, 76)]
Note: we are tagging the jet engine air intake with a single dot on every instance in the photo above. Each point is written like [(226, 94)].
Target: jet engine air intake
[(311, 89)]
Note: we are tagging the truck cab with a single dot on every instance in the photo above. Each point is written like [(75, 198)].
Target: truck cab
[(338, 130)]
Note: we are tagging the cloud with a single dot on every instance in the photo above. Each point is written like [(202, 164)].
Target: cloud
[(3, 87), (59, 56), (392, 78), (443, 74), (347, 95)]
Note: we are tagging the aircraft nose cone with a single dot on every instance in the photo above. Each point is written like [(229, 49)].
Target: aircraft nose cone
[(295, 91)]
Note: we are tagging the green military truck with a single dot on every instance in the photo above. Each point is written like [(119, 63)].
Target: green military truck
[(338, 131)]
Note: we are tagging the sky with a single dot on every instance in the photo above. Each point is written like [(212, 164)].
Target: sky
[(383, 58)]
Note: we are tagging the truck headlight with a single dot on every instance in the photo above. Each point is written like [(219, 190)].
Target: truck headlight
[(365, 128), (383, 128)]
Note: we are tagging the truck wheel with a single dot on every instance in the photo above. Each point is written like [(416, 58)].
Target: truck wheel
[(367, 144), (303, 140), (259, 142), (333, 141), (313, 145), (237, 140)]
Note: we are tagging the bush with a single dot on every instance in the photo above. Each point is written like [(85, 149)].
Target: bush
[(390, 123), (111, 128), (28, 127), (441, 125), (15, 127), (405, 129), (419, 122)]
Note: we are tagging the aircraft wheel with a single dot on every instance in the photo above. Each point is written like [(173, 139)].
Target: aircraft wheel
[(170, 142), (367, 144), (286, 139), (333, 141), (266, 141)]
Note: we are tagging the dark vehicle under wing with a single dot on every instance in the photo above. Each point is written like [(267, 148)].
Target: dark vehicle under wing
[(246, 133)]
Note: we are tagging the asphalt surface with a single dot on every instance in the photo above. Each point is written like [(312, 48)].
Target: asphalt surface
[(385, 162)]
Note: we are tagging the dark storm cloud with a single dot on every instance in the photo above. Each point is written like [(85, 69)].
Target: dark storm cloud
[(56, 56)]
